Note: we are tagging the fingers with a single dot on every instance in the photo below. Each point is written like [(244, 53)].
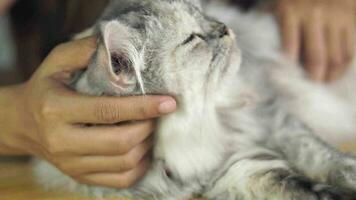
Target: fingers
[(328, 35), (70, 56), (315, 48), (349, 35), (114, 140), (117, 180), (336, 59), (77, 108), (290, 29), (78, 166)]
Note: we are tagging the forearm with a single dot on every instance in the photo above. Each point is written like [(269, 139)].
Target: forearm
[(10, 125)]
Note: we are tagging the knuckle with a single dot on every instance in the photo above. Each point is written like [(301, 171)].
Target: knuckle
[(67, 168), (336, 61), (316, 61), (129, 162), (348, 58), (143, 111), (124, 184), (52, 146), (285, 7), (73, 173), (127, 141), (63, 167), (108, 113), (150, 125), (335, 64), (47, 110), (124, 144), (56, 162), (53, 150), (81, 180), (70, 170)]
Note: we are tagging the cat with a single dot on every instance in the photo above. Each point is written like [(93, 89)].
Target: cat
[(250, 125)]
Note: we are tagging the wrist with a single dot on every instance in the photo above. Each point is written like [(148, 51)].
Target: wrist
[(11, 125)]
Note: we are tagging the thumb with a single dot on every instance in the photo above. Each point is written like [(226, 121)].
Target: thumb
[(71, 56)]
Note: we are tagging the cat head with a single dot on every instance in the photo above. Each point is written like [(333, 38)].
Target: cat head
[(160, 47)]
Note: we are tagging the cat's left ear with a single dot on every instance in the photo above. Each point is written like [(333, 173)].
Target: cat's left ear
[(119, 55)]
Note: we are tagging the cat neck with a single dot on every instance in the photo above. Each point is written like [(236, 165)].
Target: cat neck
[(194, 118), (183, 137)]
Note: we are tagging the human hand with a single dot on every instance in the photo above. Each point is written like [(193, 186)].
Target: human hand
[(51, 122), (323, 31)]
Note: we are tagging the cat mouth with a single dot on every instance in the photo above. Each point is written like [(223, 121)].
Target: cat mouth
[(225, 48), (227, 55)]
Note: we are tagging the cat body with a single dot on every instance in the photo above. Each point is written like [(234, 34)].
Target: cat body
[(248, 123)]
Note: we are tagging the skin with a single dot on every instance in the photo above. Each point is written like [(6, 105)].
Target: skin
[(4, 5), (321, 33), (46, 119)]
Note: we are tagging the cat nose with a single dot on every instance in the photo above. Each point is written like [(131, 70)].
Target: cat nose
[(223, 31)]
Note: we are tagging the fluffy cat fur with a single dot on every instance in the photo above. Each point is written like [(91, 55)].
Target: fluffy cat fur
[(249, 126)]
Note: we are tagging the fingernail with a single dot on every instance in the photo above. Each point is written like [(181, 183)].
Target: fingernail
[(168, 105)]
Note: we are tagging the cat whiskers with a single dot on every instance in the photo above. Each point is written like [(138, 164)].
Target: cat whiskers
[(138, 62)]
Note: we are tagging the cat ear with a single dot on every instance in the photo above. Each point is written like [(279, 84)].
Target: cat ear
[(118, 55)]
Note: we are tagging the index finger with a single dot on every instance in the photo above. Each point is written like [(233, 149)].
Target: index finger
[(78, 108), (290, 31), (70, 56), (315, 48)]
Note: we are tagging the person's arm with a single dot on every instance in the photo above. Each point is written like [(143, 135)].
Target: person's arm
[(43, 117), (9, 107)]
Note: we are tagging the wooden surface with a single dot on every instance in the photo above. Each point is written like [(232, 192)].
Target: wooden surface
[(16, 181), (16, 184)]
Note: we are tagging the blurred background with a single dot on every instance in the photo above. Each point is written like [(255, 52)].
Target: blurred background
[(29, 29)]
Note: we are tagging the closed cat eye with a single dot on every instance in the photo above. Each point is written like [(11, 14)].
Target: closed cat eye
[(192, 37)]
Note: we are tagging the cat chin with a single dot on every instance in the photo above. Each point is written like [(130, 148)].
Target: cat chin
[(236, 58)]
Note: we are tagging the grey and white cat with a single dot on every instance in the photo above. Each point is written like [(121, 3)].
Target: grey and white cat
[(249, 123)]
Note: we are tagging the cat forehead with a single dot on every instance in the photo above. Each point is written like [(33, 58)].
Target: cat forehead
[(174, 22), (156, 15)]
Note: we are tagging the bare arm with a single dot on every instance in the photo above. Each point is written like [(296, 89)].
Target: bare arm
[(8, 121)]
